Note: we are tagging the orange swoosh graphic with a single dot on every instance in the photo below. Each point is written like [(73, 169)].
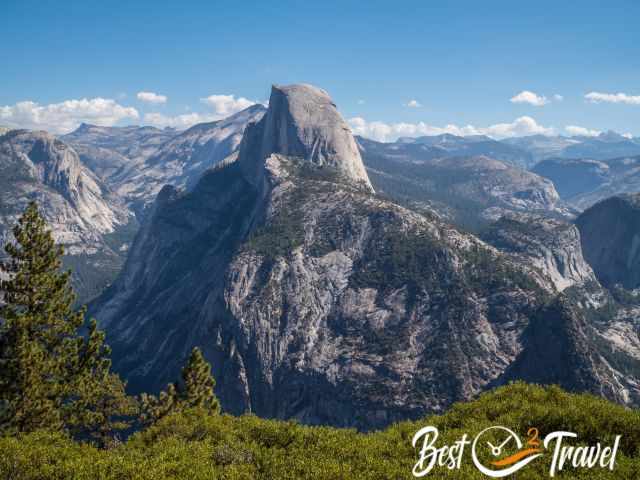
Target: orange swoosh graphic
[(515, 457)]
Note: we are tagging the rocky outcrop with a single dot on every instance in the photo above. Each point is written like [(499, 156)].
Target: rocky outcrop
[(551, 245), (83, 213), (303, 122), (313, 298), (610, 232), (561, 346)]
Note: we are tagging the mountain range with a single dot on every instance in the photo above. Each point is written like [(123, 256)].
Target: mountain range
[(94, 184), (136, 162), (338, 280), (469, 191), (317, 299), (584, 182)]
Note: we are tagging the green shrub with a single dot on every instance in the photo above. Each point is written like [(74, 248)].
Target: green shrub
[(194, 445)]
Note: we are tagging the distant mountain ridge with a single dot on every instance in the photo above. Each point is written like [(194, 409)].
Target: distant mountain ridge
[(89, 183), (136, 162), (470, 191), (526, 151), (475, 145), (585, 182)]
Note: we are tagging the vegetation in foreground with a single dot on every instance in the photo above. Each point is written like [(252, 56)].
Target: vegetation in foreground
[(61, 407), (195, 445)]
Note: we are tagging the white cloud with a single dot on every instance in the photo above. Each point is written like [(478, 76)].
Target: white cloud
[(151, 97), (65, 116), (531, 98), (222, 105), (581, 131), (558, 98), (628, 135), (598, 97), (413, 104), (385, 132), (361, 102), (225, 105)]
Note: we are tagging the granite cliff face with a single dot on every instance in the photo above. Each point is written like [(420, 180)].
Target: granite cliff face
[(313, 298), (303, 122), (610, 233), (565, 345), (551, 245), (83, 213)]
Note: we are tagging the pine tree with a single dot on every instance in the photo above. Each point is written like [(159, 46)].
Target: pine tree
[(199, 383), (51, 375), (195, 391)]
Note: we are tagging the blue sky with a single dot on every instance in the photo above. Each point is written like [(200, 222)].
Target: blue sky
[(461, 62)]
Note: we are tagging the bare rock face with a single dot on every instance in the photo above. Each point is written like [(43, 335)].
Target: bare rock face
[(313, 298), (610, 232), (303, 122), (80, 209), (561, 346), (551, 245)]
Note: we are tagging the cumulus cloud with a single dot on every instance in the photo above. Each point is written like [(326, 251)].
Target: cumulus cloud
[(222, 105), (413, 104), (581, 131), (387, 132), (531, 98), (558, 98), (225, 105), (65, 116), (151, 97), (598, 97)]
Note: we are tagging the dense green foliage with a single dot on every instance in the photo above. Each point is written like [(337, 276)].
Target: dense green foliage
[(193, 445), (195, 391)]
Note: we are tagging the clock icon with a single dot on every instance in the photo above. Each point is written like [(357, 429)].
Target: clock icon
[(506, 439)]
